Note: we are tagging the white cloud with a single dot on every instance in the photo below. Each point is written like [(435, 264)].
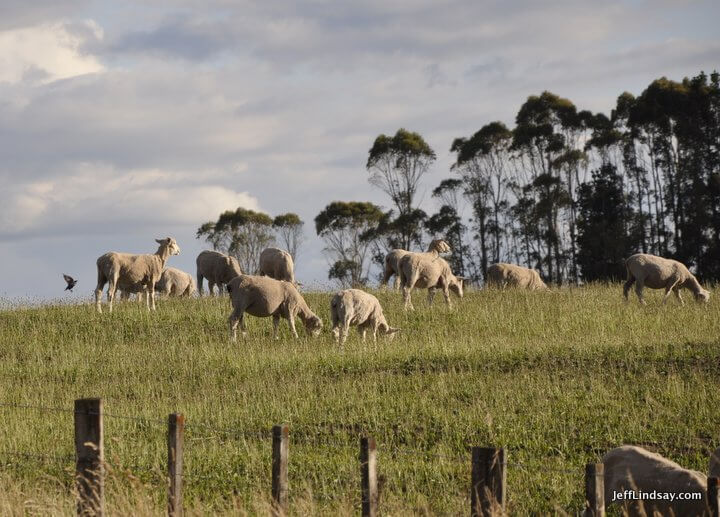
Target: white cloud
[(97, 198), (45, 53)]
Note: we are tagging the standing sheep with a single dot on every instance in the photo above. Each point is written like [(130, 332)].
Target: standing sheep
[(263, 296), (634, 468), (356, 307), (175, 282), (127, 269), (392, 260), (661, 273), (502, 275), (277, 264), (218, 268), (428, 270)]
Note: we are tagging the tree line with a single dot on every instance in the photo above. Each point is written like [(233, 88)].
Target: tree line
[(565, 191)]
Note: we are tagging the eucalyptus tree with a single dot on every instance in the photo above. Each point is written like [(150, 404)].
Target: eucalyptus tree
[(344, 226), (396, 165), (290, 230), (242, 233)]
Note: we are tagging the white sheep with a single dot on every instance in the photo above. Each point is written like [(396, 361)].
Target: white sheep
[(502, 275), (634, 468), (428, 270), (175, 282), (392, 260), (356, 307), (277, 264), (263, 296), (126, 269), (661, 273), (218, 268)]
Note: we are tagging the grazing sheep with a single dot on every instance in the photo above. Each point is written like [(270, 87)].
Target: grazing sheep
[(218, 268), (175, 282), (120, 269), (428, 270), (634, 468), (661, 273), (263, 296), (277, 264), (356, 307), (392, 260), (502, 275)]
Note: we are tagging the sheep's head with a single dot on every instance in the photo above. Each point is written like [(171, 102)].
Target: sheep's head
[(171, 244), (456, 285), (702, 295), (233, 268), (388, 331), (313, 325)]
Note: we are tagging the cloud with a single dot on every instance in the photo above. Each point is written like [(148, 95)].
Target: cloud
[(97, 199), (45, 53)]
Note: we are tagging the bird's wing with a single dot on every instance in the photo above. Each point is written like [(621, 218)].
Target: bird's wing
[(68, 278)]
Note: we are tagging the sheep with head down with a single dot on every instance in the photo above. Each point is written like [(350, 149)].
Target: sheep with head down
[(127, 269), (429, 271), (263, 296), (356, 307), (218, 268), (277, 264), (660, 273), (633, 468), (175, 282), (392, 260), (503, 275)]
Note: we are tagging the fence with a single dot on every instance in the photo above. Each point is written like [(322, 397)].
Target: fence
[(488, 468)]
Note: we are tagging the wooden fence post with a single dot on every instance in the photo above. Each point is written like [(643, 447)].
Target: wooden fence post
[(176, 431), (713, 492), (280, 451), (368, 471), (89, 468), (594, 490), (487, 491)]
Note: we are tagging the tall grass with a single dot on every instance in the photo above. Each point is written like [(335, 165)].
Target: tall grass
[(556, 377)]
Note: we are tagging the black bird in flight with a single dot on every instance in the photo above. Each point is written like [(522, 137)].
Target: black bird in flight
[(70, 282)]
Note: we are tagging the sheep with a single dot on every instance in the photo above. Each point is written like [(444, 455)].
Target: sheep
[(277, 264), (634, 468), (356, 307), (263, 296), (661, 273), (392, 260), (502, 275), (175, 282), (218, 268), (428, 270), (127, 269)]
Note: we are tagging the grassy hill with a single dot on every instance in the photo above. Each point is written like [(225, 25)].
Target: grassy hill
[(556, 377)]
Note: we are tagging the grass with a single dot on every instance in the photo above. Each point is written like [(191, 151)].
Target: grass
[(557, 378)]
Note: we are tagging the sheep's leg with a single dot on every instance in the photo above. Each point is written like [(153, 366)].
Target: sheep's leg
[(407, 291), (211, 285), (396, 283), (446, 294), (677, 294), (112, 287), (276, 323), (98, 296), (669, 290), (233, 323), (431, 295), (199, 284), (291, 322), (375, 329), (627, 286), (151, 293), (639, 291), (336, 333)]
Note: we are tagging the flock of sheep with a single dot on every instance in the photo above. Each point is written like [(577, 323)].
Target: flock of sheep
[(273, 292)]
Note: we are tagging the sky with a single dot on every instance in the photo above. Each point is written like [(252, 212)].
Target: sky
[(123, 122)]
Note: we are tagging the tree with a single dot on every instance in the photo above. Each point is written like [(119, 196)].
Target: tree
[(345, 227), (396, 164), (290, 230), (484, 161), (242, 233), (603, 237)]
